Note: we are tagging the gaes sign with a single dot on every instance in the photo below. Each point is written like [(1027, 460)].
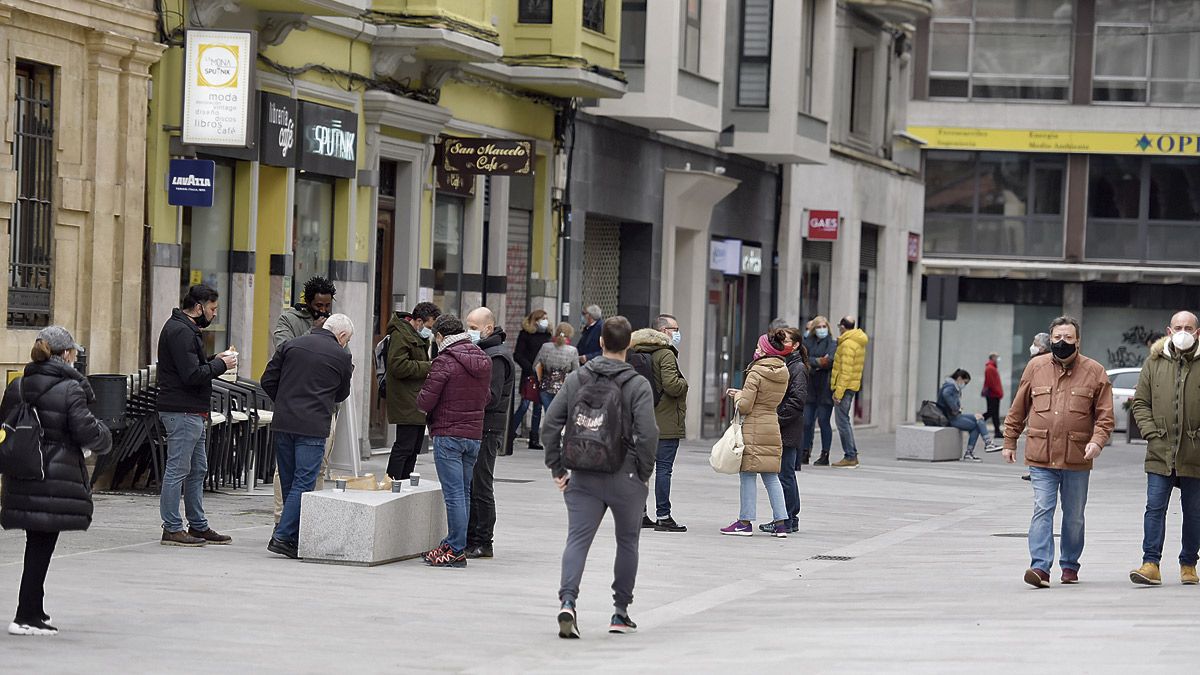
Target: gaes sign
[(489, 156), (217, 87), (823, 225), (191, 182)]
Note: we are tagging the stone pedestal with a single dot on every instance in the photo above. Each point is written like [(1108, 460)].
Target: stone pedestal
[(363, 527), (928, 444)]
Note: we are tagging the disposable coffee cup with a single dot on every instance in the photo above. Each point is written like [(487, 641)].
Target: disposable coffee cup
[(414, 479), (397, 485), (339, 485), (231, 374)]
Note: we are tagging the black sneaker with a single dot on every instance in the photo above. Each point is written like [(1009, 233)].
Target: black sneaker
[(448, 558), (668, 524), (621, 624), (534, 445), (212, 536), (283, 548), (769, 528), (36, 627), (648, 524), (823, 460), (568, 627), (480, 551)]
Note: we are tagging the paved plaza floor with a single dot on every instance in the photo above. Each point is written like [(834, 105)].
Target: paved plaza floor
[(898, 567)]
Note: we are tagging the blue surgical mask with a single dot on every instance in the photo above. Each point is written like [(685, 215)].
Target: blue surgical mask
[(425, 333), (677, 337), (474, 335), (806, 334), (822, 333)]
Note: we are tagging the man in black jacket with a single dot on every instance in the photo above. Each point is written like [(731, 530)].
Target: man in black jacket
[(185, 376), (307, 378), (481, 525)]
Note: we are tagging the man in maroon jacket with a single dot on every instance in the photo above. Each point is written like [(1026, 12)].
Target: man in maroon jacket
[(993, 391), (453, 399)]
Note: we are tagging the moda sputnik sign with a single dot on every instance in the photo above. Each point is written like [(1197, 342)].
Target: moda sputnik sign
[(190, 182), (218, 88), (488, 156)]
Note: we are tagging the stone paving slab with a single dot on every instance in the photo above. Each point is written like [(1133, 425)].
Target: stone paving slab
[(930, 587)]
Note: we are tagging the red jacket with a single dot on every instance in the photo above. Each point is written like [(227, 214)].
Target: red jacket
[(457, 390), (991, 381)]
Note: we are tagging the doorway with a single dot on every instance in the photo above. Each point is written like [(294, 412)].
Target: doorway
[(725, 355)]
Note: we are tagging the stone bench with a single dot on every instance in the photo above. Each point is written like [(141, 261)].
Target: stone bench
[(928, 444), (368, 527)]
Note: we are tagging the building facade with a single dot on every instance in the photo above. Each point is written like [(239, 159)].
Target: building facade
[(1062, 173)]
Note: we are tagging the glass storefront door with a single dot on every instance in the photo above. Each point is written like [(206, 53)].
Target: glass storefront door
[(448, 223), (312, 236), (207, 238), (725, 350)]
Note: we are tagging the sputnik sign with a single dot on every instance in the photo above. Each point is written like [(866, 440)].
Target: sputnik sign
[(218, 88)]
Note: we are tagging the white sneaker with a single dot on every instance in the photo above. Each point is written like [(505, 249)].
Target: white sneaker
[(993, 446), (970, 457), (31, 628)]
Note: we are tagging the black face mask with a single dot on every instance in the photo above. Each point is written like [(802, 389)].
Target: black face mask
[(202, 320), (1062, 350), (317, 316)]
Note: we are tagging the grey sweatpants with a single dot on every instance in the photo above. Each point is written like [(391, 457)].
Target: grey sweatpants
[(588, 496)]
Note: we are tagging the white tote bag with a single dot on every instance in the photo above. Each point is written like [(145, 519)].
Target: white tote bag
[(726, 454)]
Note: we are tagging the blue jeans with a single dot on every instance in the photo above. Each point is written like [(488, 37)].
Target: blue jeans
[(534, 424), (973, 424), (664, 462), (299, 460), (843, 414), (187, 466), (787, 482), (750, 496), (546, 399), (455, 461), (1158, 496), (1048, 485), (817, 413)]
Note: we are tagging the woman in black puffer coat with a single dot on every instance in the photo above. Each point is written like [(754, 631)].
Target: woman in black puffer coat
[(63, 500)]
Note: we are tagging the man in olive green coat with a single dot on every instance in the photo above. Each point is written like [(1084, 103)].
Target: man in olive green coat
[(407, 368), (661, 344), (1166, 406)]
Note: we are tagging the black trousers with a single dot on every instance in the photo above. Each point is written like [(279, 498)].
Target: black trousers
[(39, 547), (481, 526), (993, 413), (410, 438)]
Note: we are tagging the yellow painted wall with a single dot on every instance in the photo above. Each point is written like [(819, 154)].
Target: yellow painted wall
[(478, 13), (565, 37), (477, 104), (272, 229)]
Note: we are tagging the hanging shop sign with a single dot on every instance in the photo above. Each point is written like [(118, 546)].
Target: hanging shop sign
[(725, 256), (460, 184), (329, 140), (218, 86), (277, 130), (914, 247), (751, 260), (488, 156), (190, 182), (1177, 144), (823, 225)]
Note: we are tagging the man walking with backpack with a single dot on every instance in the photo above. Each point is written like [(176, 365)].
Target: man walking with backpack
[(661, 345), (603, 461)]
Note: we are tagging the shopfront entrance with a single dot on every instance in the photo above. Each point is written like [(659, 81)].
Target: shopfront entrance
[(726, 351)]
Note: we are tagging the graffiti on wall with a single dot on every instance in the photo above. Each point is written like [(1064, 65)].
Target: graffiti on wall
[(1135, 345)]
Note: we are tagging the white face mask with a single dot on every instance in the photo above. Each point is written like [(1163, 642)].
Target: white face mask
[(1033, 350), (543, 324), (425, 333), (1183, 340)]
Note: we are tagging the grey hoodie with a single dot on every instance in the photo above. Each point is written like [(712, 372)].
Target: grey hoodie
[(638, 401)]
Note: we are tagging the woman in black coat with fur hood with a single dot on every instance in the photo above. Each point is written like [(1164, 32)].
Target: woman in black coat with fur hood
[(62, 501)]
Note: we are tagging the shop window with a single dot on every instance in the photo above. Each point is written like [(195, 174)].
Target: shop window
[(633, 32), (689, 33), (593, 15), (535, 11), (994, 204), (448, 222), (754, 54), (1144, 209), (862, 90), (808, 33), (1147, 51), (205, 245), (1001, 49), (31, 226), (313, 232)]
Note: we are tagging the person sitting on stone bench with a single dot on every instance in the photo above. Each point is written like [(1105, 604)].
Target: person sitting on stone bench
[(949, 400)]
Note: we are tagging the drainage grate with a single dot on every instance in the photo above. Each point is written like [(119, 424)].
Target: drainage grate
[(836, 558)]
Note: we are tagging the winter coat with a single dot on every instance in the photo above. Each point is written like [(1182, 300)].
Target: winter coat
[(504, 378), (791, 409), (407, 367), (637, 400), (292, 323), (528, 346), (949, 398), (457, 389), (992, 388), (307, 378), (63, 501), (758, 402), (185, 373), (848, 363), (589, 341), (671, 411), (1065, 407), (1166, 406), (820, 393)]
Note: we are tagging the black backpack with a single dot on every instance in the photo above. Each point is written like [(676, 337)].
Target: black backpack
[(596, 437), (932, 415), (21, 456), (644, 366), (381, 358)]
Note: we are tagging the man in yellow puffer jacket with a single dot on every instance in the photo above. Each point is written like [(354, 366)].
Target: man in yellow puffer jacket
[(846, 381)]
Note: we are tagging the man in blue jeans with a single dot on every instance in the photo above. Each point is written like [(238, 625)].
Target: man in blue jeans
[(185, 376), (845, 379), (307, 378), (661, 345), (453, 398)]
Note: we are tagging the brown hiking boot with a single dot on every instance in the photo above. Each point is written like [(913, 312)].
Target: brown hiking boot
[(180, 538), (1146, 575), (1187, 575), (846, 464), (210, 536)]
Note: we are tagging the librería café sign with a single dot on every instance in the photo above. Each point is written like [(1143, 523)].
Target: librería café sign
[(489, 156)]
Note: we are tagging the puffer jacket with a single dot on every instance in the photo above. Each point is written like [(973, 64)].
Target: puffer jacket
[(1166, 406), (820, 392), (407, 366), (848, 363), (758, 402), (185, 372), (791, 409), (63, 501), (504, 378), (457, 389), (671, 411)]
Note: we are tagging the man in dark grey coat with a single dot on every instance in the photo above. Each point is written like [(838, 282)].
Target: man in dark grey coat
[(481, 525)]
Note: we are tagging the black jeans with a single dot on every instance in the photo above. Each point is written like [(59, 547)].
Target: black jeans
[(39, 547), (481, 526), (993, 414), (410, 438)]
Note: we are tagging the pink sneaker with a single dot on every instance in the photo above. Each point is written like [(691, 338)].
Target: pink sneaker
[(738, 528)]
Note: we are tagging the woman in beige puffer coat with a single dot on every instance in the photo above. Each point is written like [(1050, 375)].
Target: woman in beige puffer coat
[(757, 402)]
